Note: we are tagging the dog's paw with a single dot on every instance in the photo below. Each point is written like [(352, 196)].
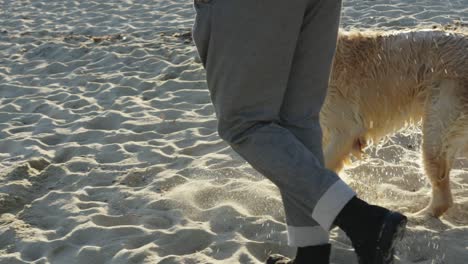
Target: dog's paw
[(426, 218), (428, 213), (421, 217)]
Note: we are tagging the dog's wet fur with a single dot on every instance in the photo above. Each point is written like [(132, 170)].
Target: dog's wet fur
[(381, 82)]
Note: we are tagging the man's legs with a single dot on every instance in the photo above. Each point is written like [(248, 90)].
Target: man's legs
[(248, 52), (253, 53)]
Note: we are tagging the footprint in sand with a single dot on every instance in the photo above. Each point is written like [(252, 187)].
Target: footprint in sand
[(17, 186), (184, 242)]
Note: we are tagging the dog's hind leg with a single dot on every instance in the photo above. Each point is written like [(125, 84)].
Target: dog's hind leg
[(437, 167), (454, 142), (441, 117)]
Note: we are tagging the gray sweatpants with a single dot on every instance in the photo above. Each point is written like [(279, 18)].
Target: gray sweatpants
[(267, 64)]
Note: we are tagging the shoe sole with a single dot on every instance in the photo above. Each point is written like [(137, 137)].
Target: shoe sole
[(277, 259), (393, 230)]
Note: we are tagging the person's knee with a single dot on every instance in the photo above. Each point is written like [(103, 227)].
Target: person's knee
[(235, 133), (300, 121)]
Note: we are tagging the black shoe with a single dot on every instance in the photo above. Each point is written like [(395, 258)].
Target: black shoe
[(305, 255), (373, 230), (382, 251)]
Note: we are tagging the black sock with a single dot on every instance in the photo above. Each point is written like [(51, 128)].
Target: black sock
[(313, 254), (360, 220)]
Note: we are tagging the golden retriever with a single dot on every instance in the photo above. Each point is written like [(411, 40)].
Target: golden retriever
[(380, 83)]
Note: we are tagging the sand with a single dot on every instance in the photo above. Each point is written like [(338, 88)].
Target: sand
[(109, 151)]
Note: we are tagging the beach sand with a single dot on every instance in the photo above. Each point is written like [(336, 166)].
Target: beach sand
[(109, 151)]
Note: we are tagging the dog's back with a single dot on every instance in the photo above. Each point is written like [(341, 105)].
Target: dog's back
[(377, 73)]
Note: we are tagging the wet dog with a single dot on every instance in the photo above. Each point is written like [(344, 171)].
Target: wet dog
[(380, 83)]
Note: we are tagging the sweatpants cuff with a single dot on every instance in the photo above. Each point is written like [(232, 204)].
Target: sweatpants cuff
[(304, 236), (331, 203)]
